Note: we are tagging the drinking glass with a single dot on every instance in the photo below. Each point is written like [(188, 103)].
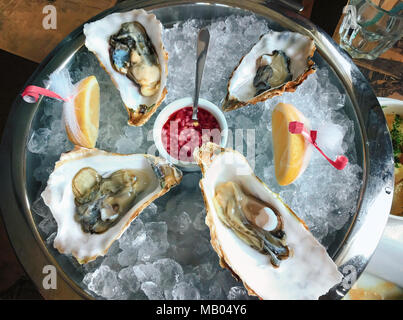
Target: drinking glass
[(370, 27)]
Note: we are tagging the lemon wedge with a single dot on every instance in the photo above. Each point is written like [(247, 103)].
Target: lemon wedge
[(291, 151), (81, 115)]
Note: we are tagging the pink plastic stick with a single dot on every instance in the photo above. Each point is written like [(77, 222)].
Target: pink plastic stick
[(31, 94), (296, 127)]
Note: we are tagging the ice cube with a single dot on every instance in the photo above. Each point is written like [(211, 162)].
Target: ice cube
[(103, 282), (171, 272), (51, 238), (42, 172), (225, 280), (238, 293), (185, 291), (91, 266), (150, 213), (112, 262), (201, 246), (40, 208), (147, 272), (179, 222), (199, 222), (330, 138), (113, 249), (135, 230), (38, 143), (216, 292), (156, 242), (206, 271), (130, 279), (152, 291), (48, 225), (127, 257)]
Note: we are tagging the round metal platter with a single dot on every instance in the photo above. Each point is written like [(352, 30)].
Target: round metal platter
[(353, 244)]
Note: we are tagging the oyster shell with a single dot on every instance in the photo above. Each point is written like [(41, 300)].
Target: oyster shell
[(278, 62), (94, 195), (129, 47), (269, 248)]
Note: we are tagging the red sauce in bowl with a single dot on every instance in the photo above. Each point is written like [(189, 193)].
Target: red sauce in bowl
[(180, 135)]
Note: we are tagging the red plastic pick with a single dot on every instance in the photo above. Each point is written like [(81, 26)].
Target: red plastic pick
[(31, 94), (296, 127)]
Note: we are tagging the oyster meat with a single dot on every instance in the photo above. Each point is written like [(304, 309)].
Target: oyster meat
[(256, 223), (133, 55), (278, 62), (129, 47), (272, 71), (94, 195), (102, 202), (257, 236)]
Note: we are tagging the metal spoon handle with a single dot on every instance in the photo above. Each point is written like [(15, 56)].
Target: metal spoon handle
[(202, 46)]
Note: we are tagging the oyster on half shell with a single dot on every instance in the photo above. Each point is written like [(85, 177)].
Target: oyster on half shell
[(94, 195), (278, 62), (256, 235), (129, 47)]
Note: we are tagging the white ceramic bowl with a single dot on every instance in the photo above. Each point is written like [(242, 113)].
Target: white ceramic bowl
[(170, 109), (387, 260)]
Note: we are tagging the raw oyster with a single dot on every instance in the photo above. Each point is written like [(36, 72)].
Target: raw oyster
[(101, 202), (263, 231), (293, 265), (133, 54), (278, 62), (272, 71), (129, 47), (94, 195)]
